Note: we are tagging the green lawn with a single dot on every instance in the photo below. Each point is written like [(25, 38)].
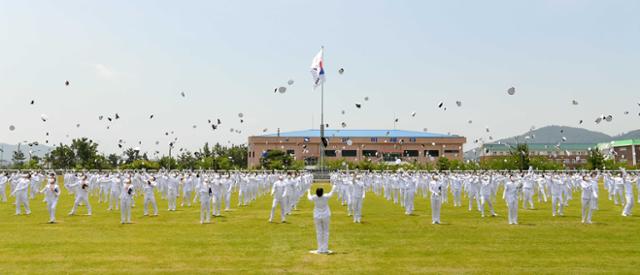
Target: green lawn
[(387, 241)]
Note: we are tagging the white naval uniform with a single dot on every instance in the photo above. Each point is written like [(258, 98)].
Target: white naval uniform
[(81, 190), (321, 217), (435, 187), (21, 192), (589, 196), (126, 200), (51, 194), (357, 196), (510, 195), (279, 192), (206, 193), (150, 197)]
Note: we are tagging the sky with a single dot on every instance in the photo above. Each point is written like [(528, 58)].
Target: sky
[(134, 58)]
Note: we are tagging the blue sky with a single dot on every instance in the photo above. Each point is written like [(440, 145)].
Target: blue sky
[(135, 57)]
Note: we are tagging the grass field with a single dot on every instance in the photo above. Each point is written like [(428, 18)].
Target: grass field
[(386, 242)]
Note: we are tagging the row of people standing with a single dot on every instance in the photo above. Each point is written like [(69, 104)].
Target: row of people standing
[(119, 190), (481, 190)]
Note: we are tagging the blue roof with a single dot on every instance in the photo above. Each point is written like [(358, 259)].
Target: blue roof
[(361, 133)]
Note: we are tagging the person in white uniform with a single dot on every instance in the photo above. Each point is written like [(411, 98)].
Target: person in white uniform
[(321, 217), (357, 196), (4, 178), (628, 194), (126, 200), (81, 190), (51, 194), (278, 192), (150, 197), (589, 196), (510, 195), (21, 192), (435, 187), (206, 193)]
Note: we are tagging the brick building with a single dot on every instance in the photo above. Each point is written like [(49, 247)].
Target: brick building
[(627, 150), (357, 145)]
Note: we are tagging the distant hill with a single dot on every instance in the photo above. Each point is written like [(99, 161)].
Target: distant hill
[(36, 150), (554, 134), (630, 135)]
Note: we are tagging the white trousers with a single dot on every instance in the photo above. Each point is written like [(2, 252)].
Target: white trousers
[(629, 205), (274, 204), (227, 200), (125, 210), (322, 234), (512, 204), (457, 197), (409, 205), (528, 198), (51, 207), (587, 210), (22, 199), (172, 197), (217, 199), (486, 200), (77, 202), (357, 209), (150, 200), (436, 204), (556, 202), (113, 201), (205, 210)]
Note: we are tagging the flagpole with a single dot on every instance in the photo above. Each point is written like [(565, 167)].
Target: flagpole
[(322, 123), (322, 128)]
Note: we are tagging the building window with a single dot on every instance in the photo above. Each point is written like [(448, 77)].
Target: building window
[(349, 153), (369, 153), (291, 152), (330, 153), (451, 151), (391, 156), (310, 161), (410, 153), (374, 139), (432, 153)]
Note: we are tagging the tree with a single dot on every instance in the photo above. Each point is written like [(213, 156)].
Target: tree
[(131, 155), (113, 160), (85, 151), (238, 156), (277, 159), (443, 164), (595, 160), (18, 158), (520, 156), (62, 157), (186, 161), (32, 164), (168, 163), (206, 152)]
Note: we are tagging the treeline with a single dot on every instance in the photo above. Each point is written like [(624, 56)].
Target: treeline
[(83, 153)]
